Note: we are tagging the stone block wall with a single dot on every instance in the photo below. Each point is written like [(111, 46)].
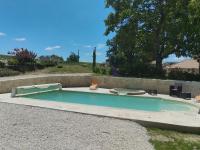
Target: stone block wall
[(6, 84), (81, 80), (162, 86)]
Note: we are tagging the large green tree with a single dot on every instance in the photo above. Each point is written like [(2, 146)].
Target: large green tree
[(147, 30), (194, 28)]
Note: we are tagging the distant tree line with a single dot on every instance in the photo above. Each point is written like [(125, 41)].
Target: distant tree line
[(25, 60)]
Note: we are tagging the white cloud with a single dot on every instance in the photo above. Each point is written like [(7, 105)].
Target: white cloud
[(20, 39), (101, 46), (173, 58), (87, 46), (90, 54), (99, 53), (50, 48), (73, 43), (2, 34)]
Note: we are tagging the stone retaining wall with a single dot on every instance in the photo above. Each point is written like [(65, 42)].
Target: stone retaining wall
[(84, 80), (144, 84), (66, 80)]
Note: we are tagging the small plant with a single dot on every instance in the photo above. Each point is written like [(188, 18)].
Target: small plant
[(8, 72), (103, 71), (2, 64), (59, 66), (97, 70), (13, 62)]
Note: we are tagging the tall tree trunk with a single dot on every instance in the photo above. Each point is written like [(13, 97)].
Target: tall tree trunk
[(159, 58), (199, 65), (159, 50), (159, 67)]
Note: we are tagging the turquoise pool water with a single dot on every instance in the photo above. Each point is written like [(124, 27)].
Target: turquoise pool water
[(127, 102)]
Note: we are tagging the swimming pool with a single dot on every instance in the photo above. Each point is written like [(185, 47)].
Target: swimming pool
[(114, 101)]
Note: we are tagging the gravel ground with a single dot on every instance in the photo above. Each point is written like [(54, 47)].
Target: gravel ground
[(32, 128)]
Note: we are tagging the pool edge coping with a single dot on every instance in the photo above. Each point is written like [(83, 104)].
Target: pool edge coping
[(76, 108), (161, 96)]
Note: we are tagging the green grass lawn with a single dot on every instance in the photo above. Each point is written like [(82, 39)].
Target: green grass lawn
[(60, 69), (172, 140), (69, 68)]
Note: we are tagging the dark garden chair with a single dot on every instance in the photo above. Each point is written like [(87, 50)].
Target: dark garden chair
[(175, 90)]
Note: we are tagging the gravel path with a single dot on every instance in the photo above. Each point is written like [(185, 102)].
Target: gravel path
[(31, 128)]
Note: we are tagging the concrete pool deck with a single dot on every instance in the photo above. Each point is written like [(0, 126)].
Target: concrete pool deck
[(180, 120)]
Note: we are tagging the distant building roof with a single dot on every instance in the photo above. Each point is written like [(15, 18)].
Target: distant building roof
[(186, 64)]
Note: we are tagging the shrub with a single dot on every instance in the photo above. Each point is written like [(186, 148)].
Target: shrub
[(2, 64), (102, 69), (49, 61), (179, 75), (39, 66), (23, 60), (13, 62), (97, 70), (59, 66), (56, 59), (46, 63), (8, 72), (24, 56), (73, 58)]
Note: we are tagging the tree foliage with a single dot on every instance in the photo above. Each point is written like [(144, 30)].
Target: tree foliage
[(94, 59), (24, 56), (147, 30), (194, 34), (52, 60), (73, 58), (23, 59)]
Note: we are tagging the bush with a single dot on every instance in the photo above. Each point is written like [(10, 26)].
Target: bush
[(73, 58), (15, 65), (8, 72), (2, 64), (49, 61), (46, 63), (13, 62), (102, 69), (139, 70), (59, 66), (40, 66), (179, 75), (24, 56), (97, 70)]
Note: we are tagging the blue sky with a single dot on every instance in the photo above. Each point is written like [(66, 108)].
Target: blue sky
[(54, 27)]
